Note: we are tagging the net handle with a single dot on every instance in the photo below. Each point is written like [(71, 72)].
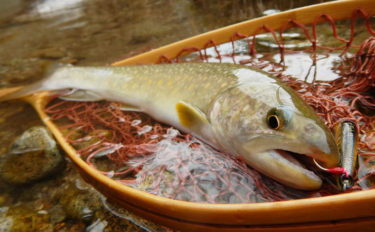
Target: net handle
[(305, 15)]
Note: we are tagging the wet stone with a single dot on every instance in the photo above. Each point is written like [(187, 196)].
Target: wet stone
[(5, 221), (80, 204), (118, 218), (57, 214), (33, 155), (24, 219)]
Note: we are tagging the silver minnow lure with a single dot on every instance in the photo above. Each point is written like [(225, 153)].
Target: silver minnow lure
[(238, 109)]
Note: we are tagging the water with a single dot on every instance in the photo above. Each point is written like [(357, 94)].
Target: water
[(36, 32)]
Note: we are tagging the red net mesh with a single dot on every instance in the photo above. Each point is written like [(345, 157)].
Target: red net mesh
[(135, 150)]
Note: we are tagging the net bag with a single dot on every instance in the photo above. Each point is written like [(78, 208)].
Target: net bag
[(137, 151)]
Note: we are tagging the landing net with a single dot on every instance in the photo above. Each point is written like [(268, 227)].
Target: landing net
[(337, 79)]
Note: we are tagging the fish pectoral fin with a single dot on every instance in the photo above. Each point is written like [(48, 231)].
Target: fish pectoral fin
[(81, 95), (191, 116)]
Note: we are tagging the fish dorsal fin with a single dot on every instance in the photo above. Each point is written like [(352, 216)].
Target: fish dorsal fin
[(81, 95), (191, 117)]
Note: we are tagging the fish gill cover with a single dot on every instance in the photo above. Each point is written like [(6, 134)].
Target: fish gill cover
[(135, 150)]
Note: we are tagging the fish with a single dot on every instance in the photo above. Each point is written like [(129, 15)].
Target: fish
[(237, 109)]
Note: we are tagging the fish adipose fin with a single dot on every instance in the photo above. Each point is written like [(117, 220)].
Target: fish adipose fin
[(191, 117)]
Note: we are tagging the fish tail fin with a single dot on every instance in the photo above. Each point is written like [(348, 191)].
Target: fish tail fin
[(22, 91), (19, 91)]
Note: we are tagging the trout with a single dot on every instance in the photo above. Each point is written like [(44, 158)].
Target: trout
[(237, 109)]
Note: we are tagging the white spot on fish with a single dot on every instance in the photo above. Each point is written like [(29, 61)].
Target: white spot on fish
[(104, 72)]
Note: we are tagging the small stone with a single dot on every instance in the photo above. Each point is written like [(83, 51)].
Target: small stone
[(25, 219), (80, 204), (119, 219), (57, 214), (33, 156), (5, 221), (98, 225), (50, 53)]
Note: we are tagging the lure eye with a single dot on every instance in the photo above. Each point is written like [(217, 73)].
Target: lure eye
[(274, 121)]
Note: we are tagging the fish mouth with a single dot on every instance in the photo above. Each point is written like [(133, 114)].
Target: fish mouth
[(283, 167), (292, 167), (292, 170), (294, 157), (300, 160)]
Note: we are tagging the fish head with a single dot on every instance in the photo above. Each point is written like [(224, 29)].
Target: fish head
[(266, 124), (284, 128)]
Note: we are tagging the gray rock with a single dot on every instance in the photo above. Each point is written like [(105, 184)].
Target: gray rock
[(33, 155)]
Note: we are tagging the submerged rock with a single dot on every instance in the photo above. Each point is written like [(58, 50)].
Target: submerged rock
[(118, 218), (33, 155), (24, 219), (80, 204), (6, 222)]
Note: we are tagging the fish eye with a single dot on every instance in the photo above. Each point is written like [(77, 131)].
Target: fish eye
[(274, 122), (276, 118)]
